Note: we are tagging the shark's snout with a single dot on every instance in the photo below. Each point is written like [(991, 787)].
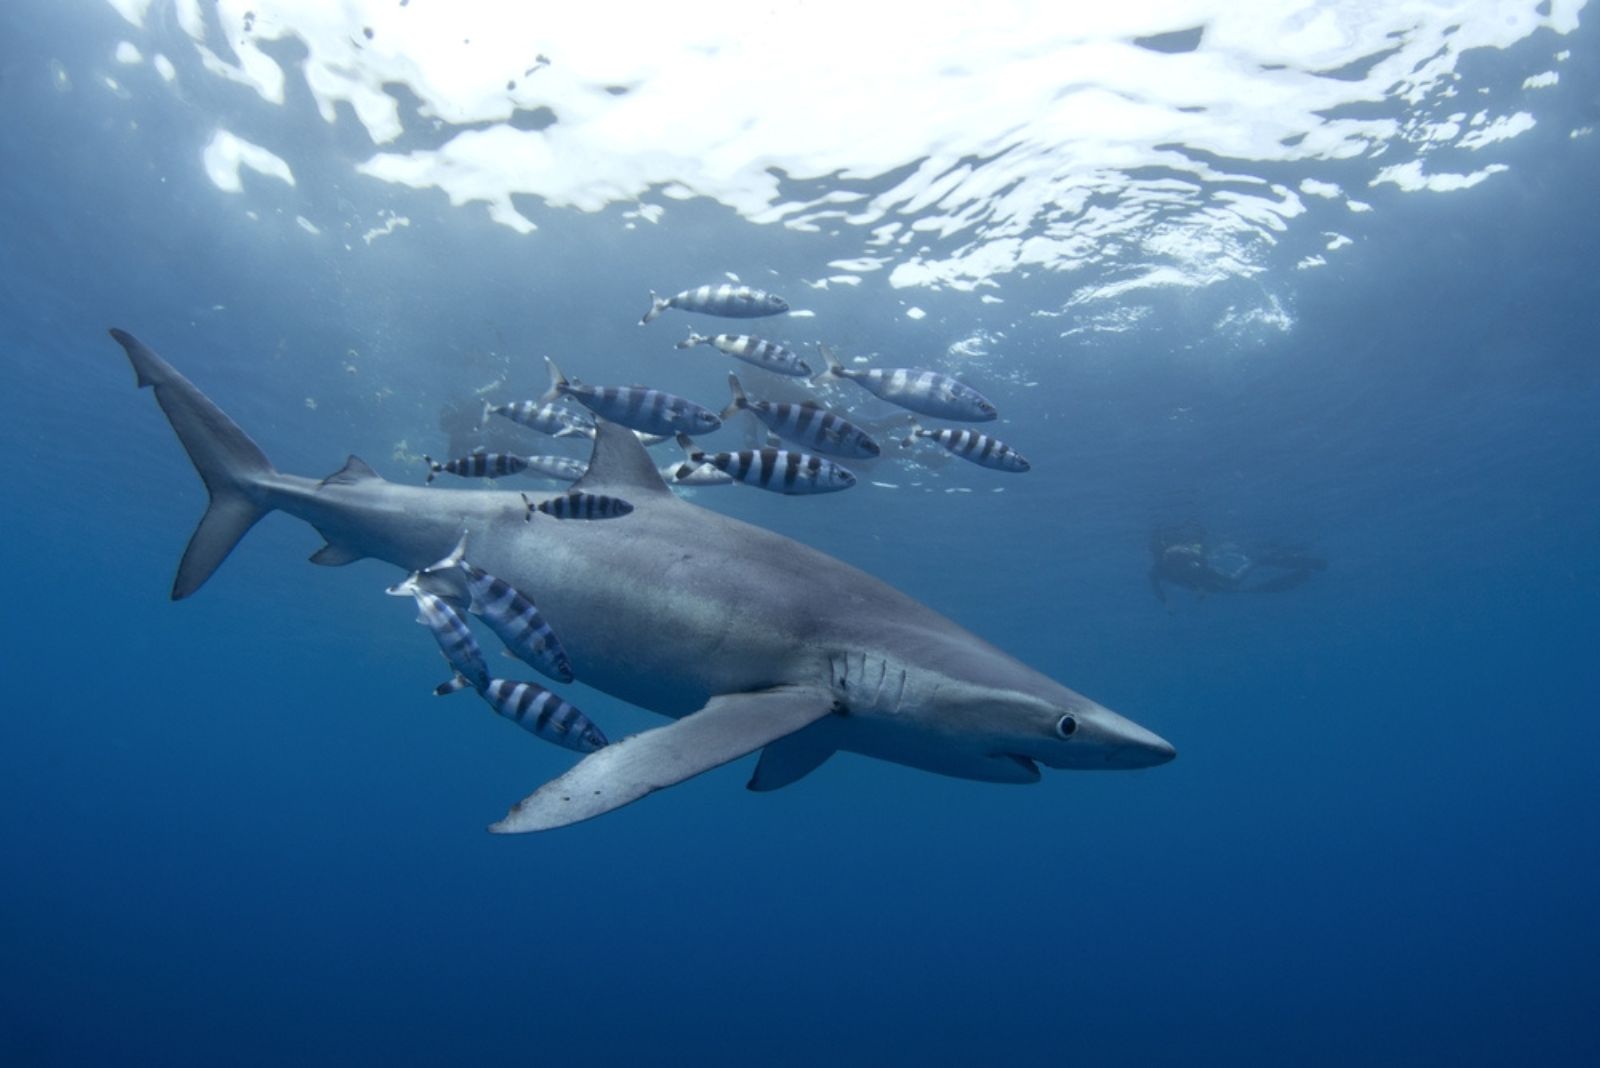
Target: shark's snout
[(1099, 738), (1128, 745), (1146, 752)]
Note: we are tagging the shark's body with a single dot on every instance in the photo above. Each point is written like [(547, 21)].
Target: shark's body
[(747, 639)]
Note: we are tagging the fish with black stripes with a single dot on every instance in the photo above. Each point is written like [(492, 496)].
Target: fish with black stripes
[(479, 464), (985, 450), (914, 389), (806, 424), (509, 612), (578, 506), (552, 419), (636, 407), (544, 714), (727, 300), (768, 355), (449, 628), (560, 468), (785, 471)]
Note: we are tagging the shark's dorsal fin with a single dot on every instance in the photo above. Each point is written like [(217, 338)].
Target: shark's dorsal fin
[(619, 466), (355, 470)]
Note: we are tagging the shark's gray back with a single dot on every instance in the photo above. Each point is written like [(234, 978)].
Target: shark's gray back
[(669, 605)]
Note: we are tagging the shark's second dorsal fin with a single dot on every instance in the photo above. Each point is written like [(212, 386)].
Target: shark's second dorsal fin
[(355, 469), (620, 466)]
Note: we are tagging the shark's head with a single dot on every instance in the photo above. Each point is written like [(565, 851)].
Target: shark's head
[(1080, 734), (982, 715), (1058, 728)]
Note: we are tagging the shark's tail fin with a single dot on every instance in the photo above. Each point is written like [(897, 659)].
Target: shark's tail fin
[(232, 466)]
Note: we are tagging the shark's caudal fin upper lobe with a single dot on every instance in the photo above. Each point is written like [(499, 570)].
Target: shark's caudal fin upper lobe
[(231, 465)]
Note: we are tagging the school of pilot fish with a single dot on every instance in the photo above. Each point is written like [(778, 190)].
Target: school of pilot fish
[(447, 592)]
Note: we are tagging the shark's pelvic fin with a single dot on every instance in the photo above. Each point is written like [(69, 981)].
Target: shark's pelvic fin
[(620, 466), (231, 465), (331, 555), (788, 760), (728, 727)]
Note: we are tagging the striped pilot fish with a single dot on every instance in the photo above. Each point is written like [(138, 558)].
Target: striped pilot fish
[(779, 470), (805, 423), (981, 449), (540, 712), (550, 419), (578, 506), (449, 628), (560, 468), (511, 614), (726, 300), (684, 473), (752, 350), (928, 392), (635, 407), (478, 464)]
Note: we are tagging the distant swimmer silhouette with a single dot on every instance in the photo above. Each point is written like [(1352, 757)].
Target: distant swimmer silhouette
[(1187, 556)]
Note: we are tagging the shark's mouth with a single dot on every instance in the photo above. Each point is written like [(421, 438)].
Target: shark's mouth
[(1026, 763)]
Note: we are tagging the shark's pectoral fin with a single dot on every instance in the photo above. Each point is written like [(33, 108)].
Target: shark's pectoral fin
[(728, 727), (791, 759)]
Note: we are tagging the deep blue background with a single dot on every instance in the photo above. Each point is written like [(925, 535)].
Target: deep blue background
[(238, 830)]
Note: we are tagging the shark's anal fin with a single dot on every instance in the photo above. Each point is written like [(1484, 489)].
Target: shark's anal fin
[(790, 759), (728, 727)]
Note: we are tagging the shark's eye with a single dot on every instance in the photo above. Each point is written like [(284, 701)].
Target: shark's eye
[(1067, 725)]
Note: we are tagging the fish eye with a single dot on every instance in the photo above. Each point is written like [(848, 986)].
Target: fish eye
[(1067, 725)]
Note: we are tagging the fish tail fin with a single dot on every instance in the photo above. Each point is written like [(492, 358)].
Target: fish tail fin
[(458, 554), (558, 382), (406, 587), (434, 467), (739, 401), (913, 430), (833, 367), (657, 306), (456, 682), (692, 340), (483, 419), (690, 450), (234, 469)]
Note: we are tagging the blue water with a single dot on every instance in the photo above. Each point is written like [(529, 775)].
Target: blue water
[(237, 829)]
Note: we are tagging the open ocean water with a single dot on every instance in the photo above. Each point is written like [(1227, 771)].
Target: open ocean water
[(1309, 275)]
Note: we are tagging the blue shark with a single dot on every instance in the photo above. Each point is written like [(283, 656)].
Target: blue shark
[(747, 641)]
